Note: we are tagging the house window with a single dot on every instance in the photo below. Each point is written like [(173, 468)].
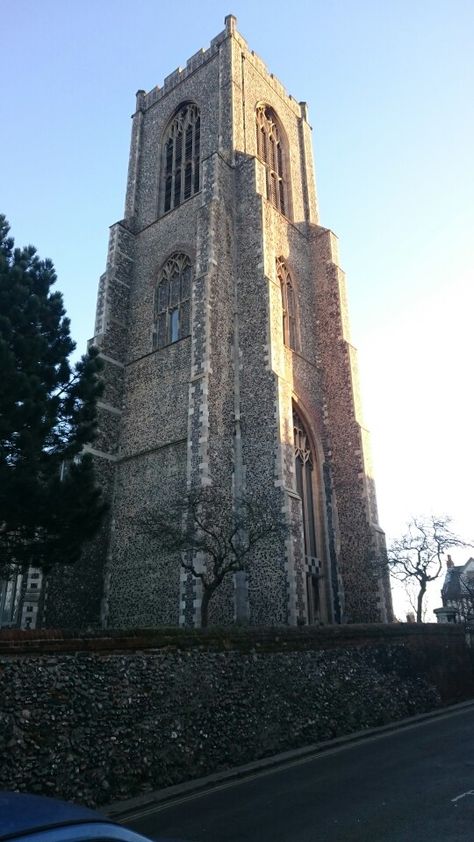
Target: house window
[(306, 486), (288, 304), (270, 151), (181, 157), (172, 301)]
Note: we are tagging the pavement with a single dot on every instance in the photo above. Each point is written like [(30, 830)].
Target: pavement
[(411, 780)]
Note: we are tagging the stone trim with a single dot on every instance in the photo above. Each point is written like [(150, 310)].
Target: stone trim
[(139, 453), (100, 454), (109, 408), (110, 359)]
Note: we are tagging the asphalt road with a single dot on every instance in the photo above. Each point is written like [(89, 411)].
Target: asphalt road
[(412, 785)]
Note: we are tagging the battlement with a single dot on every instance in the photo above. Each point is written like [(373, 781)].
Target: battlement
[(146, 100), (275, 83)]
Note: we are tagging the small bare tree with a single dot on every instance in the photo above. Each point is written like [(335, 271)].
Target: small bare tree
[(214, 532), (416, 557), (410, 587)]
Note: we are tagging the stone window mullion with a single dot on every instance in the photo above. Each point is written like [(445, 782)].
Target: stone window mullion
[(172, 301), (183, 162), (285, 310), (306, 486), (193, 146), (270, 151), (197, 154), (181, 171), (168, 329), (288, 304), (173, 171)]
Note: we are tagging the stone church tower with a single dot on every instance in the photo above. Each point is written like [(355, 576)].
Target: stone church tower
[(222, 323)]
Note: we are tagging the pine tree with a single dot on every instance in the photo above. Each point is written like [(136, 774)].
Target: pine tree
[(49, 501)]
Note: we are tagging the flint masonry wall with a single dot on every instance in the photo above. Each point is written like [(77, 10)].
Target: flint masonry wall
[(102, 719)]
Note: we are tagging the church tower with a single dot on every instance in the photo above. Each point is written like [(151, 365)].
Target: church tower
[(222, 323)]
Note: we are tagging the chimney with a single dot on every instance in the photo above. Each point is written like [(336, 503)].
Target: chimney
[(449, 562)]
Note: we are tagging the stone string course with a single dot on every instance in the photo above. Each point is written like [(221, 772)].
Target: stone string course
[(99, 726)]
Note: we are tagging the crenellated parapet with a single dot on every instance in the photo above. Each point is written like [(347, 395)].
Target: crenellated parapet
[(145, 100)]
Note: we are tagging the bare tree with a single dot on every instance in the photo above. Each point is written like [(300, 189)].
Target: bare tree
[(215, 533), (410, 587), (417, 557)]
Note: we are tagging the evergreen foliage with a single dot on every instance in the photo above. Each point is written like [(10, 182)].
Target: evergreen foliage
[(49, 502)]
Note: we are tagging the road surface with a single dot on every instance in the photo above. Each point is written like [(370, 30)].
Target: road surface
[(412, 785)]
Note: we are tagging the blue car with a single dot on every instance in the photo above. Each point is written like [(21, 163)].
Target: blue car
[(32, 818)]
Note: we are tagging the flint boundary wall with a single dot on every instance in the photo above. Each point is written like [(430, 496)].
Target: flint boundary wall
[(98, 719)]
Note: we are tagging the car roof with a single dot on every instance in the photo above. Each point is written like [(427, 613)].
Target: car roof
[(21, 813)]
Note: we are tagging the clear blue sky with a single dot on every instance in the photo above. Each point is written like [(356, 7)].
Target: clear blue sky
[(390, 90)]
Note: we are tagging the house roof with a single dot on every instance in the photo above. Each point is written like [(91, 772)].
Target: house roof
[(452, 587), (452, 584)]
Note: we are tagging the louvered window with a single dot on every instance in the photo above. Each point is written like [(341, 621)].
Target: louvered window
[(172, 301), (288, 304), (181, 157), (270, 151)]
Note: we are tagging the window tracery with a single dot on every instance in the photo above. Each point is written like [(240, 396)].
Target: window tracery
[(304, 483), (288, 304), (306, 486), (181, 157), (270, 151), (172, 301)]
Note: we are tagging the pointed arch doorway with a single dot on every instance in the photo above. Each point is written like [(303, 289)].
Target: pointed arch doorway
[(309, 488)]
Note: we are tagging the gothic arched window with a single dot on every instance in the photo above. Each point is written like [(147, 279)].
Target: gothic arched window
[(306, 486), (172, 301), (181, 157), (270, 151), (288, 304)]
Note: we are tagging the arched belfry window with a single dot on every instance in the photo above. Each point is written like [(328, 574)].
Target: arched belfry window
[(287, 303), (172, 301), (270, 151), (307, 488), (181, 157)]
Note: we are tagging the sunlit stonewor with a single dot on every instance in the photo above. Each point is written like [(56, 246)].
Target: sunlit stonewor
[(223, 328)]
